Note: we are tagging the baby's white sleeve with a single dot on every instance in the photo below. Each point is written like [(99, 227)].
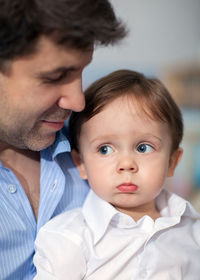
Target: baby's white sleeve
[(59, 256)]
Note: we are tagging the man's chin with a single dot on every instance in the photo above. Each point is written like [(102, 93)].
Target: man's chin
[(40, 144)]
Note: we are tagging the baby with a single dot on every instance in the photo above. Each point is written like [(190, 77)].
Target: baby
[(126, 142)]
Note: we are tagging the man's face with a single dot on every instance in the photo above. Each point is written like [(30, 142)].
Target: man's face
[(38, 94)]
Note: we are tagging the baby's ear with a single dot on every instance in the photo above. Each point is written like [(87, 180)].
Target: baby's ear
[(79, 164), (174, 160)]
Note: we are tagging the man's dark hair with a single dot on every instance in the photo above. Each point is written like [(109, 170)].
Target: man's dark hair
[(78, 23)]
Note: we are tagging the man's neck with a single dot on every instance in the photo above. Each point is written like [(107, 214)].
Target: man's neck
[(12, 156), (26, 166)]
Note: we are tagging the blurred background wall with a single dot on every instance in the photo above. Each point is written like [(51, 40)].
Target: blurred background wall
[(163, 41)]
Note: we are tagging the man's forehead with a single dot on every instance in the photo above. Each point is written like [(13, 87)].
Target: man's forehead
[(54, 55), (47, 42), (49, 56)]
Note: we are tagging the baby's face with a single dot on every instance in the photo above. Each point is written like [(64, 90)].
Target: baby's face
[(126, 155)]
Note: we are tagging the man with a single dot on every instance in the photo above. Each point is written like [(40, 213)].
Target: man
[(44, 47)]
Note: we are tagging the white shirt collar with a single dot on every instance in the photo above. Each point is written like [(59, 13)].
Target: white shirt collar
[(99, 214), (172, 205), (99, 220)]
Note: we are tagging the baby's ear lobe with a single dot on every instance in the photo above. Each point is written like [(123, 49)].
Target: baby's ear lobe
[(174, 160), (79, 164)]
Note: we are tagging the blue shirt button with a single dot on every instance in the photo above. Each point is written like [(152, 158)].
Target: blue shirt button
[(12, 188), (54, 186)]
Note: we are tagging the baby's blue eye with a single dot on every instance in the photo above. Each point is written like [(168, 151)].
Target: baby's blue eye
[(144, 148), (105, 150)]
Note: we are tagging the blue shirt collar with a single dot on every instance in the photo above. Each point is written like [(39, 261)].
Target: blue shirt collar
[(60, 145)]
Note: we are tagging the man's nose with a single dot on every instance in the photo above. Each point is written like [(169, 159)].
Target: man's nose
[(71, 96)]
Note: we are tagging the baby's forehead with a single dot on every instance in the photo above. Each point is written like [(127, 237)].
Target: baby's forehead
[(140, 106), (121, 122)]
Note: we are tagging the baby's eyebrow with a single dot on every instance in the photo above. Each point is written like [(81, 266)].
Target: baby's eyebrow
[(151, 135), (104, 138)]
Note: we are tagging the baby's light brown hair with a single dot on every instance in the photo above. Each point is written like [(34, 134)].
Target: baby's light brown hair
[(151, 95)]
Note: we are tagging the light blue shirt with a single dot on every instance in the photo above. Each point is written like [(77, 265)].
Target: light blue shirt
[(61, 189)]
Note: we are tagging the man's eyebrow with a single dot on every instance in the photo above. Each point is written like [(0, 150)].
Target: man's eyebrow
[(55, 71)]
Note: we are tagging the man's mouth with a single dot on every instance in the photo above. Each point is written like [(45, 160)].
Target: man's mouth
[(56, 125), (127, 187)]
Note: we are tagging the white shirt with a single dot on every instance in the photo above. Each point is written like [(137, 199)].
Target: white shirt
[(98, 242)]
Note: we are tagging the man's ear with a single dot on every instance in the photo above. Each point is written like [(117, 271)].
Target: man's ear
[(174, 160), (79, 164)]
